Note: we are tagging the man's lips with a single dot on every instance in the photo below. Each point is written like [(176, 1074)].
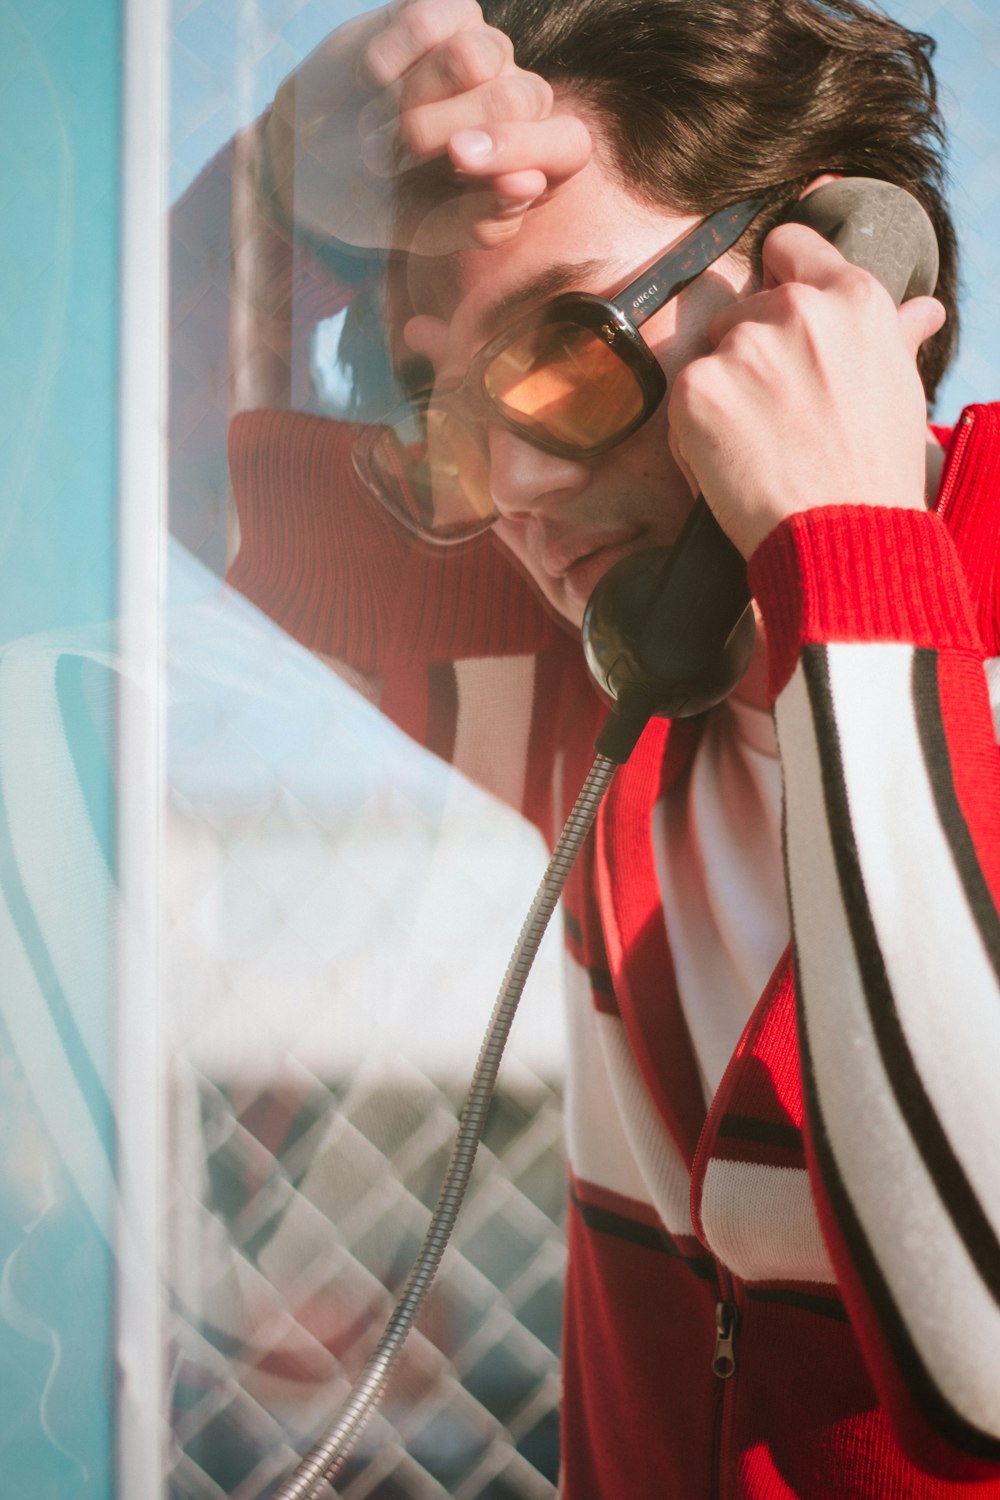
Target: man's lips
[(582, 571), (561, 559)]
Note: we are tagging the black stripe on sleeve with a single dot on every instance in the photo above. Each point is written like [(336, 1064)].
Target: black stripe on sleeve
[(943, 1166), (946, 1171), (927, 708), (932, 1404), (767, 1132)]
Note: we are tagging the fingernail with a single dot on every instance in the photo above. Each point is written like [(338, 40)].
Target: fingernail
[(508, 207), (474, 146)]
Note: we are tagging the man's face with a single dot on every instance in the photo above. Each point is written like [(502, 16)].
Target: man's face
[(567, 521)]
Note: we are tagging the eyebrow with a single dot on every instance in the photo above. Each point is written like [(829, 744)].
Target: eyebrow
[(558, 278)]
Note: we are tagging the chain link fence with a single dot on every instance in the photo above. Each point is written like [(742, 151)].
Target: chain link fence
[(313, 1202), (337, 913)]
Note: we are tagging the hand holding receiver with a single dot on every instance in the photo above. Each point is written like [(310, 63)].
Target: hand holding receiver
[(419, 86), (811, 394), (672, 632)]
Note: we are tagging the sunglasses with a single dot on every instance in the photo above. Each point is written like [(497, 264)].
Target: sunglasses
[(573, 378)]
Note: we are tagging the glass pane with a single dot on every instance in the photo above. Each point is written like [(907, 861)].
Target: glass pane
[(338, 901)]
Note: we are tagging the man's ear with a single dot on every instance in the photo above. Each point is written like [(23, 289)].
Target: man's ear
[(820, 181)]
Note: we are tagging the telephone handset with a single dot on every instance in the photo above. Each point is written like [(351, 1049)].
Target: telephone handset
[(671, 631)]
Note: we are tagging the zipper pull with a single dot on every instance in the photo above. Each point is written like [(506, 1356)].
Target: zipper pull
[(724, 1357)]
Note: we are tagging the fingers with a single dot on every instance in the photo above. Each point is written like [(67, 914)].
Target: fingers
[(794, 252), (919, 320), (518, 163), (445, 88), (413, 136), (785, 304), (415, 28), (464, 62), (802, 270), (557, 147), (478, 59)]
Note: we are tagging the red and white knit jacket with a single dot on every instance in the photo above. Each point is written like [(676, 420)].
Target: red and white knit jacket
[(799, 1294)]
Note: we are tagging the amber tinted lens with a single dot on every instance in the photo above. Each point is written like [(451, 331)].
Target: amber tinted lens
[(564, 381), (429, 468)]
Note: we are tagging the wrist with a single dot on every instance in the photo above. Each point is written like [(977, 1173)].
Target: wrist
[(859, 573), (756, 527)]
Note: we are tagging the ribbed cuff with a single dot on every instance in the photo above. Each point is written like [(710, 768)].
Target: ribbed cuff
[(859, 573)]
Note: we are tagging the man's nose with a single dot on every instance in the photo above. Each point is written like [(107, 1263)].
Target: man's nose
[(524, 479)]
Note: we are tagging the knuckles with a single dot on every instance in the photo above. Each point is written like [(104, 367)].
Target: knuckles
[(473, 58), (427, 23), (500, 41), (519, 96), (796, 302), (510, 97), (865, 291), (415, 29), (475, 61), (491, 231), (799, 257), (850, 304)]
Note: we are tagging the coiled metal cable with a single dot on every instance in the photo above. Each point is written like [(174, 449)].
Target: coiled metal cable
[(322, 1462)]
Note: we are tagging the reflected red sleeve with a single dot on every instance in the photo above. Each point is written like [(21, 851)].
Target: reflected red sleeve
[(323, 559)]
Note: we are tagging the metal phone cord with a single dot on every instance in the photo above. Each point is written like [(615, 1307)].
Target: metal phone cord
[(322, 1462)]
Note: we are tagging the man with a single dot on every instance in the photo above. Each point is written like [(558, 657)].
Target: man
[(784, 1272)]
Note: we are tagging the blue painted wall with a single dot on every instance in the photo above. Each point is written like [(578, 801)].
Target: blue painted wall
[(60, 65)]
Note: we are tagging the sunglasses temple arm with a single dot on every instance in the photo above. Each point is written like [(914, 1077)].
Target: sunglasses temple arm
[(696, 252)]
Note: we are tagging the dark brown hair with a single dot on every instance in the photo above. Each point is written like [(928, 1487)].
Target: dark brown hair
[(702, 102)]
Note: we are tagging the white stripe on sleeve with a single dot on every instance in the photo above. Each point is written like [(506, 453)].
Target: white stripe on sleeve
[(932, 951)]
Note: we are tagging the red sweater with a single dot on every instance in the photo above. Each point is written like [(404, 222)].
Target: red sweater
[(830, 1225)]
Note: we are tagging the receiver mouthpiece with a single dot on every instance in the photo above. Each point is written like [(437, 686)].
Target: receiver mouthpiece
[(673, 624)]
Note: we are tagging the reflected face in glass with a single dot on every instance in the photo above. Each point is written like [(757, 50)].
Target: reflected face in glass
[(567, 519)]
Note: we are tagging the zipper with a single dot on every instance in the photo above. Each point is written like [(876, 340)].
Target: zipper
[(724, 1357), (723, 1369), (956, 463)]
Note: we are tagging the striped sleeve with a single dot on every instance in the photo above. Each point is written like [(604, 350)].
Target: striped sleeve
[(892, 843)]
